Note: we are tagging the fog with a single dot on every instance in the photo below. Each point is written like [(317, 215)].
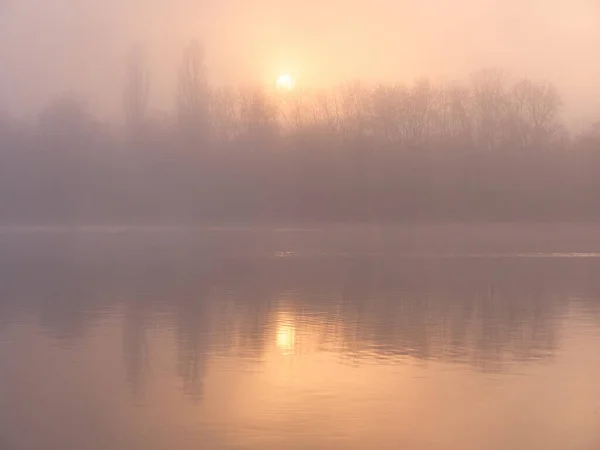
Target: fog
[(47, 48), (154, 113), (266, 224)]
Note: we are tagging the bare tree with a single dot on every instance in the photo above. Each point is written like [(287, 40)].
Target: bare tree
[(418, 113), (258, 115), (535, 107), (224, 114), (66, 116), (451, 120), (490, 100), (193, 93), (355, 103), (326, 114), (137, 86), (386, 104)]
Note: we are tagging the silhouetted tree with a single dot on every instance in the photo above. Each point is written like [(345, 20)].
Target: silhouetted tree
[(419, 109), (535, 107), (193, 94), (490, 148), (136, 90), (490, 101), (258, 116), (224, 114), (354, 107), (387, 102), (65, 118)]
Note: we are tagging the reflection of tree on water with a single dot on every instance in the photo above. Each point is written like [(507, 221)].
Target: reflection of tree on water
[(484, 314), (135, 346), (467, 313), (57, 285), (243, 298), (180, 290), (193, 339)]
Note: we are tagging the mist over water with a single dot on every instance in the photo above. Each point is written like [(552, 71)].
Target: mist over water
[(299, 225), (261, 338)]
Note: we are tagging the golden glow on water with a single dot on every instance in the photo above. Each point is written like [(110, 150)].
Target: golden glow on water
[(307, 353), (285, 336), (314, 397)]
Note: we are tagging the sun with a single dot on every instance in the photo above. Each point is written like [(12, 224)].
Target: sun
[(285, 82)]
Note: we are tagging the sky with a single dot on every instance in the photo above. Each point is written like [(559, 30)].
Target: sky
[(48, 47)]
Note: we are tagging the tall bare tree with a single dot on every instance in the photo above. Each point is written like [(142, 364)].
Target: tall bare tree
[(224, 114), (137, 87), (193, 93), (535, 107), (258, 115), (490, 100)]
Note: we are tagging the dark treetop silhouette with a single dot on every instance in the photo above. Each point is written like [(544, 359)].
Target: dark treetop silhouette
[(487, 149)]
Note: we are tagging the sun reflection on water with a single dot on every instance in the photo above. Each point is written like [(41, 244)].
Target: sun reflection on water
[(286, 336)]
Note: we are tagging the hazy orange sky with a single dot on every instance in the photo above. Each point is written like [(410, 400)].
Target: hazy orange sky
[(49, 46)]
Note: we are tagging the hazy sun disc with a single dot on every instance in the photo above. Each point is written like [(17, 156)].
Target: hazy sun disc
[(285, 81)]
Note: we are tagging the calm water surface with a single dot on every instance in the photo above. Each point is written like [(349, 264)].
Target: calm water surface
[(418, 338)]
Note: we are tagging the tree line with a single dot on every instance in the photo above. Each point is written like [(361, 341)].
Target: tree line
[(489, 148)]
